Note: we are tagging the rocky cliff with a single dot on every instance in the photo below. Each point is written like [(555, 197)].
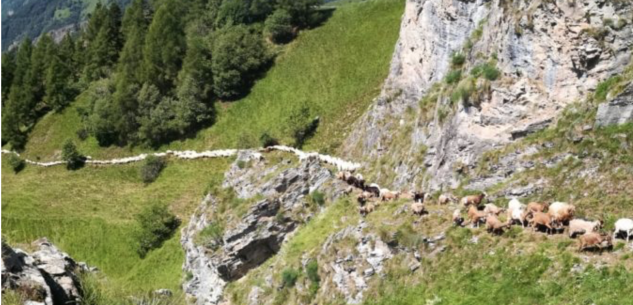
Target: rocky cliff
[(549, 54), (47, 276)]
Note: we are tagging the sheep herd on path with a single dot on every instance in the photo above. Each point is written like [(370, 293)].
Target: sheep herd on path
[(551, 218)]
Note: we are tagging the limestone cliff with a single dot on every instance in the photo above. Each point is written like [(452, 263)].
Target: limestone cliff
[(549, 54)]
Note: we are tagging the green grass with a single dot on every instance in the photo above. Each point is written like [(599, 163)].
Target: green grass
[(89, 213), (335, 69), (62, 14)]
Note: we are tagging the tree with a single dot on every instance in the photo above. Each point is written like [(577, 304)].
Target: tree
[(59, 91), (104, 46), (17, 112), (278, 27), (302, 11), (8, 68), (238, 55), (70, 154), (165, 46), (102, 115), (151, 168), (40, 61)]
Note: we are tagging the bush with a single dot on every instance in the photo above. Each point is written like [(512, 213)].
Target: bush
[(317, 197), (211, 236), (312, 271), (16, 163), (278, 27), (155, 225), (151, 168), (488, 70), (604, 87), (300, 126), (458, 59), (267, 140), (453, 77), (289, 277), (70, 154)]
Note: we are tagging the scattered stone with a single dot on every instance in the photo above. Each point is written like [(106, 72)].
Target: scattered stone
[(163, 292), (369, 272)]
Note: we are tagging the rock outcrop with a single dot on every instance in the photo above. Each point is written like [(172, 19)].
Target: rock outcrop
[(47, 276), (618, 110), (549, 54), (251, 239)]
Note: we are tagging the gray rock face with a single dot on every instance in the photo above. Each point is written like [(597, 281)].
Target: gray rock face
[(547, 60), (48, 273), (249, 241), (617, 111)]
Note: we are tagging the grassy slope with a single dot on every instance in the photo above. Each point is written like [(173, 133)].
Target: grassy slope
[(89, 213), (335, 69)]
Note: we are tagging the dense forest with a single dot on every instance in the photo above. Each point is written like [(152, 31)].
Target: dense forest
[(153, 71)]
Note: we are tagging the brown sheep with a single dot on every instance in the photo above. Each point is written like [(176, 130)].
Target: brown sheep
[(536, 207), (474, 200), (418, 208), (387, 195), (494, 225), (594, 240), (458, 220), (366, 209), (561, 212), (407, 195), (541, 219), (446, 199), (475, 216), (343, 175), (492, 209), (581, 226)]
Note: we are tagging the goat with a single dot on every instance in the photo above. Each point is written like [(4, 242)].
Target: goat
[(541, 219), (494, 225), (458, 220), (561, 212), (475, 216), (594, 240), (623, 225), (581, 226), (492, 209), (473, 200)]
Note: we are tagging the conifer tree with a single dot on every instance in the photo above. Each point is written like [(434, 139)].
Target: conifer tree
[(8, 68), (165, 46)]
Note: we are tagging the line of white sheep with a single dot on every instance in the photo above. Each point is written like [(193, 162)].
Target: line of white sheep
[(222, 153)]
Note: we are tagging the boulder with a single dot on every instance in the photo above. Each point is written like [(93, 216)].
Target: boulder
[(618, 110)]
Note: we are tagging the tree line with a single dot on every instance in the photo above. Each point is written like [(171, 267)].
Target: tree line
[(151, 73)]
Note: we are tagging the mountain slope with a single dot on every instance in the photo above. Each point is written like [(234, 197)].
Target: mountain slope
[(32, 18)]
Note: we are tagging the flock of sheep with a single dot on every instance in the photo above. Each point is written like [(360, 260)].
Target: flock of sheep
[(550, 218)]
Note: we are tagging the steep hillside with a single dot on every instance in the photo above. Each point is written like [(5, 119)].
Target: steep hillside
[(32, 18), (90, 213)]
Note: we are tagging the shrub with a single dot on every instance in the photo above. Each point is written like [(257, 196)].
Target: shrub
[(16, 163), (289, 277), (300, 126), (604, 87), (312, 271), (487, 70), (453, 77), (267, 140), (155, 225), (317, 197), (458, 59), (211, 235), (278, 26), (151, 168), (70, 154), (82, 134), (241, 164)]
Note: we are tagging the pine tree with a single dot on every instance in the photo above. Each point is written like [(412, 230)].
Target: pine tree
[(17, 110), (40, 60), (103, 49), (8, 70), (59, 91), (165, 46)]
